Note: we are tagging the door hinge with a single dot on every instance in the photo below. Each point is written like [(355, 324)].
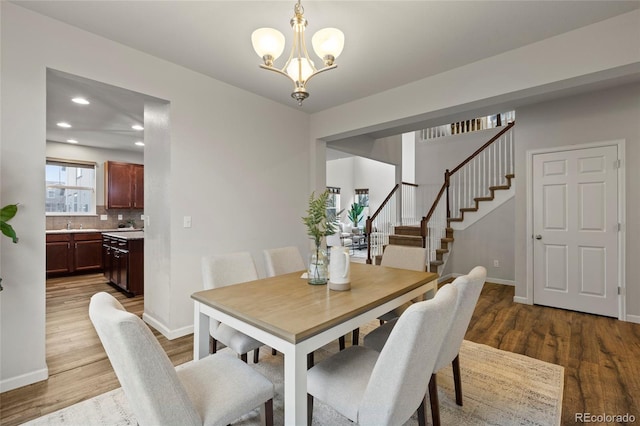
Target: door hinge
[(619, 291), (617, 164), (619, 227)]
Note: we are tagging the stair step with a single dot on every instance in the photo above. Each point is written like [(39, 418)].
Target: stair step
[(436, 263), (469, 209), (405, 240), (442, 251), (499, 187), (408, 230), (510, 176), (483, 199), (446, 240), (456, 219)]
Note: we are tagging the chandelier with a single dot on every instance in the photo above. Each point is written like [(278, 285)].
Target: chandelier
[(299, 68)]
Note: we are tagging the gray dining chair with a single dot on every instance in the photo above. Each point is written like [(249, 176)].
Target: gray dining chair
[(213, 391), (403, 257), (469, 288), (283, 260), (375, 388), (220, 271)]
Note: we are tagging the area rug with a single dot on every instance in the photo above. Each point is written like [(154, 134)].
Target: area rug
[(499, 388)]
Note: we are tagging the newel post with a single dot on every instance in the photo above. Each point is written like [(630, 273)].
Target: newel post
[(447, 175), (367, 231)]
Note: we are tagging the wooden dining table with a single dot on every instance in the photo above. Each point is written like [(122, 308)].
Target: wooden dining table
[(295, 318)]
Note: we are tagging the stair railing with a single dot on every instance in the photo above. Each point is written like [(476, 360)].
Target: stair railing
[(487, 167), (410, 211), (380, 225)]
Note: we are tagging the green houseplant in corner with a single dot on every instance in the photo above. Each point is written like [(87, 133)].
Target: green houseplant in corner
[(319, 225), (355, 214), (6, 214)]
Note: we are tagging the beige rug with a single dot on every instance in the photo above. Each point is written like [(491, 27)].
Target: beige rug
[(499, 388)]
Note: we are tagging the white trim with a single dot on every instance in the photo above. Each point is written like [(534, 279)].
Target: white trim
[(24, 380), (169, 334), (633, 318), (523, 300), (620, 145)]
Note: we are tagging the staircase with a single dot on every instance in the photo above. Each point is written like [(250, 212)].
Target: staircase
[(474, 181)]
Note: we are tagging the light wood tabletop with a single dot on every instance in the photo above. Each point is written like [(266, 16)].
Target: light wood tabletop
[(288, 307)]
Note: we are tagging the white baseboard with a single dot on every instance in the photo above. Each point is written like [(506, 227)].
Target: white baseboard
[(24, 380), (633, 318), (523, 300), (166, 332), (488, 280)]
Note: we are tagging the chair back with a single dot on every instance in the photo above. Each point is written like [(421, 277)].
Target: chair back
[(227, 269), (404, 257), (148, 378), (402, 372), (469, 287), (283, 260)]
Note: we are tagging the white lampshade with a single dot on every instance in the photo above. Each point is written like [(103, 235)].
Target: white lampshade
[(306, 69), (268, 41), (328, 41)]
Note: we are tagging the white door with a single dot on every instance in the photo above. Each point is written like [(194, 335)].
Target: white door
[(575, 230)]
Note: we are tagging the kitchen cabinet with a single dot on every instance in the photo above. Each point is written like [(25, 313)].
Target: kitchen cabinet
[(123, 258), (69, 253), (124, 185)]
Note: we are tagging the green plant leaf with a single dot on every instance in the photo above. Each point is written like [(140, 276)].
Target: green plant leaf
[(8, 212), (8, 231)]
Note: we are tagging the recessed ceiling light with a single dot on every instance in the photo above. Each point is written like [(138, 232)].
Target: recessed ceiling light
[(72, 141), (137, 127), (63, 124), (140, 143), (81, 101)]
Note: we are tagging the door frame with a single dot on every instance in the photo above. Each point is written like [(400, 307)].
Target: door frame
[(620, 144)]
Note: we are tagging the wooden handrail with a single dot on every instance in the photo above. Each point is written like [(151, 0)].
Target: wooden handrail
[(384, 203), (435, 203), (482, 148)]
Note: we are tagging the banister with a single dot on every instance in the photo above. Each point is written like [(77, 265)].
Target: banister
[(483, 147), (384, 203)]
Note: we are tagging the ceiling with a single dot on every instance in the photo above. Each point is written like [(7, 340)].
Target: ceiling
[(387, 43)]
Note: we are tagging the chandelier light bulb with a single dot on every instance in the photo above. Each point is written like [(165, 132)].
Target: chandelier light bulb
[(328, 43), (300, 69), (268, 43)]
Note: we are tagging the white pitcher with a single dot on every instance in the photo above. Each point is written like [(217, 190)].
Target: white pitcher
[(339, 269)]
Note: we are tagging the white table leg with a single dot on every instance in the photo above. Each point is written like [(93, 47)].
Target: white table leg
[(200, 333), (295, 387)]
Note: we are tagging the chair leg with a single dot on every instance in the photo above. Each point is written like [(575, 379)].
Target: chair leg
[(341, 342), (256, 355), (310, 360), (355, 337), (213, 345), (268, 413), (422, 412), (433, 397), (456, 379), (381, 322), (309, 409), (243, 357), (273, 352)]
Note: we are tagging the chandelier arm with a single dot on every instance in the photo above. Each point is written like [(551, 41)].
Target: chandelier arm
[(276, 70), (320, 71)]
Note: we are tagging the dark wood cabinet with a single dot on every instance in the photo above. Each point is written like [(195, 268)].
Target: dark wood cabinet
[(123, 259), (124, 185), (69, 253)]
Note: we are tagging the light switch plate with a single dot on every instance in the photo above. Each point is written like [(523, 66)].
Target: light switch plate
[(187, 221), (119, 217), (103, 217)]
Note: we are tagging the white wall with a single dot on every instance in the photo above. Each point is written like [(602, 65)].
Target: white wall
[(594, 117), (228, 162), (98, 155)]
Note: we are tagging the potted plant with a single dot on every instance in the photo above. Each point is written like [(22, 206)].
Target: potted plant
[(355, 214), (319, 225), (6, 214)]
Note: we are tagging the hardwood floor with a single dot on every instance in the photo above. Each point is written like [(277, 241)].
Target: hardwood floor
[(601, 355)]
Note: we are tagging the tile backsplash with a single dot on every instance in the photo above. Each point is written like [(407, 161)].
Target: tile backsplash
[(94, 222)]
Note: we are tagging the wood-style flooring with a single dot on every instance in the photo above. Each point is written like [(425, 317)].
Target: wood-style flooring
[(601, 355)]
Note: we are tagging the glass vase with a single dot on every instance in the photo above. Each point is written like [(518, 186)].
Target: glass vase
[(318, 272)]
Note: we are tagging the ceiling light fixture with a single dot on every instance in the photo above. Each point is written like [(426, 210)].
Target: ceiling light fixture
[(64, 124), (299, 68), (137, 127), (72, 141), (81, 101), (140, 143)]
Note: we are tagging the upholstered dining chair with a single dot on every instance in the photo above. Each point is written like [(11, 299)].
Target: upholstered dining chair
[(403, 257), (213, 391), (283, 260), (375, 388), (469, 287), (220, 271)]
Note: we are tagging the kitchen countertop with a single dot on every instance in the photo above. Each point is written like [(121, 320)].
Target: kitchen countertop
[(127, 235), (76, 231)]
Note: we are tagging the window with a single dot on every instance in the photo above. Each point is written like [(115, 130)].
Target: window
[(70, 187), (362, 197), (333, 203)]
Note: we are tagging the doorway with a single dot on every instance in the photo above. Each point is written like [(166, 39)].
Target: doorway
[(575, 210)]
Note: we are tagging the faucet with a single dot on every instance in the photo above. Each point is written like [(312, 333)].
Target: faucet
[(68, 224)]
